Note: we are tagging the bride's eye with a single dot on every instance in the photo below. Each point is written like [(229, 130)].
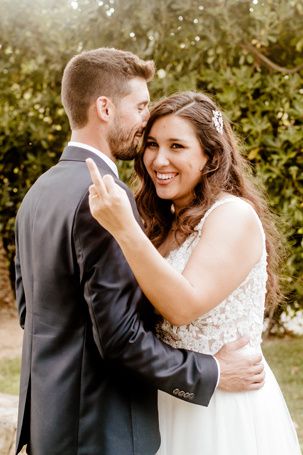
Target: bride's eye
[(151, 144), (176, 145)]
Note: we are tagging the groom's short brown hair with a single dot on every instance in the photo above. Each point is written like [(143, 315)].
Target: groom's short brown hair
[(99, 72)]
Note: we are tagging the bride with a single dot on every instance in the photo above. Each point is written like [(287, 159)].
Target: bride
[(207, 264)]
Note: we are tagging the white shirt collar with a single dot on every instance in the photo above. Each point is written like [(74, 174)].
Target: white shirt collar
[(101, 155)]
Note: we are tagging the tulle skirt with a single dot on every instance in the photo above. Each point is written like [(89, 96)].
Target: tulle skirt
[(246, 423)]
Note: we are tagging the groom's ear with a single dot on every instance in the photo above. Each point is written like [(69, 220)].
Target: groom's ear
[(104, 108)]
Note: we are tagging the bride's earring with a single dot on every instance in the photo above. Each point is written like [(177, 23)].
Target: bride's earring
[(172, 209)]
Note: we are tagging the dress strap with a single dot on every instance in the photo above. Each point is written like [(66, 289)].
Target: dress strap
[(218, 203), (226, 200)]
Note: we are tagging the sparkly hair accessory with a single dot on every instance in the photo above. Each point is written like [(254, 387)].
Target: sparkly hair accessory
[(218, 121)]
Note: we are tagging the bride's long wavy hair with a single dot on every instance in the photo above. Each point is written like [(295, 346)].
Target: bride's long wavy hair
[(226, 170)]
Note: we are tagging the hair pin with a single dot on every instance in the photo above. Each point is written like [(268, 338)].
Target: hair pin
[(217, 120)]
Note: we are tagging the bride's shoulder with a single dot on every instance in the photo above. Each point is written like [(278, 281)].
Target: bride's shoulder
[(230, 204), (232, 216)]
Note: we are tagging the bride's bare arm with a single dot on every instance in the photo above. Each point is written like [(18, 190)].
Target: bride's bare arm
[(231, 244)]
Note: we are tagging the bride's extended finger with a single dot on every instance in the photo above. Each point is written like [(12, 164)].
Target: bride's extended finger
[(96, 177), (110, 184)]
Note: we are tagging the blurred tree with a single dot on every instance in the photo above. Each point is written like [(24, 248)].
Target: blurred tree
[(6, 293), (246, 53)]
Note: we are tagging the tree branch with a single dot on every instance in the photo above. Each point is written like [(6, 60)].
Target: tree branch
[(268, 62)]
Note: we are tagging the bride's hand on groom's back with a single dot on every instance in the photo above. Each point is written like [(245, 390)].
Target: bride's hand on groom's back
[(239, 371)]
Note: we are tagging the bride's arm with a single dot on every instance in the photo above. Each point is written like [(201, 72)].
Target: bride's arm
[(231, 244)]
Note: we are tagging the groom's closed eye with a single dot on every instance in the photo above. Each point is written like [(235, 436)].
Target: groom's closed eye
[(142, 106)]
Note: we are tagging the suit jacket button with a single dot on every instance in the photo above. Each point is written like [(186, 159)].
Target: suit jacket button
[(181, 393), (191, 396), (176, 391), (186, 395)]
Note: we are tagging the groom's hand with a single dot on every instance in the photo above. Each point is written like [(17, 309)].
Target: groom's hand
[(239, 371)]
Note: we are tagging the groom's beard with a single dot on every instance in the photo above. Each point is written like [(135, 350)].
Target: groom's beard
[(124, 144)]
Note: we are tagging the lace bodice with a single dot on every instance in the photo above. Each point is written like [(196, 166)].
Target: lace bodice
[(241, 313)]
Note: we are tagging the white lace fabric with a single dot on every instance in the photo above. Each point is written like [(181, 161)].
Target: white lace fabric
[(241, 313)]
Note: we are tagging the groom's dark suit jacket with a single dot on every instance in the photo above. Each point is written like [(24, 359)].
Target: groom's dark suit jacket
[(91, 364)]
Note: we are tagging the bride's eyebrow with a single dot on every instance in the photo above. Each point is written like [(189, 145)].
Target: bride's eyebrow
[(171, 139), (174, 139)]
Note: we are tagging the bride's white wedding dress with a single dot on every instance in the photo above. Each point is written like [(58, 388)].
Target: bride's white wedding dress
[(246, 423)]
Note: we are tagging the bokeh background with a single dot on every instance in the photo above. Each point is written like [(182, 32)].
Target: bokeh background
[(248, 54)]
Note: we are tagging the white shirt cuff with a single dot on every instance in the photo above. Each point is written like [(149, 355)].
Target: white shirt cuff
[(219, 371)]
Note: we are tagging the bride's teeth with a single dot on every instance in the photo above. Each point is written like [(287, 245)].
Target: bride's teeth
[(165, 176)]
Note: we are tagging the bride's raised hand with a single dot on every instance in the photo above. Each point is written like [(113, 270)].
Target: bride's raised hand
[(108, 202)]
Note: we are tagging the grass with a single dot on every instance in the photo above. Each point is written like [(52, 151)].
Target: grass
[(9, 376), (285, 357)]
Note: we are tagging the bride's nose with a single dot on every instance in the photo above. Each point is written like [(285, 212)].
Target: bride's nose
[(161, 159)]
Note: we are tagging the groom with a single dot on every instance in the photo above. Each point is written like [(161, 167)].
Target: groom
[(91, 365)]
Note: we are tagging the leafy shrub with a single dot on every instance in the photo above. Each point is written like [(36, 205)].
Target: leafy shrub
[(247, 54)]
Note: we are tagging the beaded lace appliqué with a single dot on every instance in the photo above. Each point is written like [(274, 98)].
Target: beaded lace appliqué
[(241, 313)]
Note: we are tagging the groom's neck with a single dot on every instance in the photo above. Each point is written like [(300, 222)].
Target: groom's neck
[(88, 137)]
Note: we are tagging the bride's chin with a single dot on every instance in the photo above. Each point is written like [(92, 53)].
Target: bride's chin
[(161, 196)]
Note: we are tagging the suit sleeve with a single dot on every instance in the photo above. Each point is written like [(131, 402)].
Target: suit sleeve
[(20, 295), (113, 298)]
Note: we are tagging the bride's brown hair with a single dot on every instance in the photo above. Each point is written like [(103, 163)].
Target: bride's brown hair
[(226, 170)]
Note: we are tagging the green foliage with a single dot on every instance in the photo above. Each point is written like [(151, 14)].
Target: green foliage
[(245, 53)]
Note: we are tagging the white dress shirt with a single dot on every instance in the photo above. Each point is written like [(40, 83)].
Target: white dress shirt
[(101, 155)]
